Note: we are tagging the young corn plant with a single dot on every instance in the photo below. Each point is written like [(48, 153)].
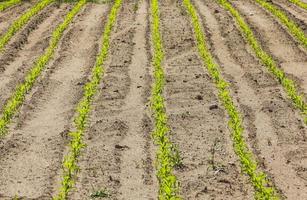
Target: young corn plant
[(167, 159), (248, 163), (293, 28), (6, 4), (288, 84), (100, 194), (17, 98), (21, 21), (299, 3), (70, 167)]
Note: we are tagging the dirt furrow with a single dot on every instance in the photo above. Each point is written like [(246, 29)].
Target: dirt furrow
[(210, 169), (275, 130), (32, 154), (116, 157), (10, 14), (133, 185), (18, 41), (276, 41), (295, 13), (18, 61)]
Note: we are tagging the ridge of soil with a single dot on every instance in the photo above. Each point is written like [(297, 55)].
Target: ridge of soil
[(198, 122), (33, 151), (275, 127)]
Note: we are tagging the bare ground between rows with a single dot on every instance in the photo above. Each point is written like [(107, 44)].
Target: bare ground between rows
[(25, 48), (277, 41), (118, 158), (198, 122), (276, 132), (119, 153), (299, 16), (33, 151), (295, 13), (11, 14), (20, 38)]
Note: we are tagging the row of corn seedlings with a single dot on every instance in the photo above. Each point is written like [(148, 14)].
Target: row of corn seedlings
[(293, 28), (6, 4), (21, 21), (17, 98), (168, 183), (299, 3), (249, 165), (70, 167), (267, 60)]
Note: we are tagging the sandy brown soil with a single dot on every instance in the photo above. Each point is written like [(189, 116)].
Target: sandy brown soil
[(18, 42), (295, 13), (119, 157), (276, 131), (277, 41), (21, 53), (119, 154), (210, 169), (299, 16), (34, 150), (12, 13)]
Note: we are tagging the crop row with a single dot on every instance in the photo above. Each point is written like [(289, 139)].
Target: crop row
[(166, 153), (299, 3), (17, 98), (267, 60), (21, 21), (248, 163), (168, 184), (293, 28), (288, 84), (70, 167), (6, 4)]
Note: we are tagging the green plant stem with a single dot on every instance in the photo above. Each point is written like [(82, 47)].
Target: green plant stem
[(288, 84), (293, 28), (70, 168), (168, 184), (16, 100), (6, 4), (299, 3), (21, 21), (248, 163)]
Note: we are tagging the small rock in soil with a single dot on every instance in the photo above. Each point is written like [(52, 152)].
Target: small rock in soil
[(213, 107)]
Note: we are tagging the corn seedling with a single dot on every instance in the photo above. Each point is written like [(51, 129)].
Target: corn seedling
[(101, 1), (299, 3), (168, 184), (70, 168), (176, 159), (288, 84), (16, 100), (21, 21), (6, 4), (136, 7), (248, 163), (293, 28), (16, 198), (99, 194)]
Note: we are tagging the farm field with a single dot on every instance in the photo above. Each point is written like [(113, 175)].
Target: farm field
[(153, 99)]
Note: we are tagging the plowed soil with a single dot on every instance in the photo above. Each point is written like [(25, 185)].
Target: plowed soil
[(120, 153)]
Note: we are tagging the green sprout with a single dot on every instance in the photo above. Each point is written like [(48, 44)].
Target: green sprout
[(70, 168), (248, 163), (21, 21), (6, 4), (166, 158)]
